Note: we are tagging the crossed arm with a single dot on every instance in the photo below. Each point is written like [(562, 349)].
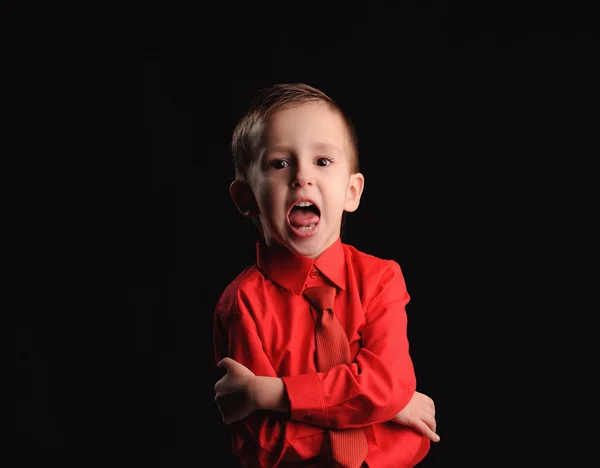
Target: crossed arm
[(240, 392)]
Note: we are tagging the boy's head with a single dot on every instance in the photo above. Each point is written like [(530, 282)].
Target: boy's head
[(296, 165)]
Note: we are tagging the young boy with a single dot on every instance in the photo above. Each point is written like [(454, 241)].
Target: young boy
[(292, 396)]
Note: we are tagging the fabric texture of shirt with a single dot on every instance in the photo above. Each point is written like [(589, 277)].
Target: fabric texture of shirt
[(262, 321)]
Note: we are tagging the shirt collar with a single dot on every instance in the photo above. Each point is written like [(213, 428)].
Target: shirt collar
[(291, 271)]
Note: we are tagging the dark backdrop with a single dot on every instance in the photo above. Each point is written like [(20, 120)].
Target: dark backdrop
[(477, 127)]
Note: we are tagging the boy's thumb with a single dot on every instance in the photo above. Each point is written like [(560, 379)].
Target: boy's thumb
[(225, 363)]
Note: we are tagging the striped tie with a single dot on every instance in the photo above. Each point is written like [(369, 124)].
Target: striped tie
[(348, 446)]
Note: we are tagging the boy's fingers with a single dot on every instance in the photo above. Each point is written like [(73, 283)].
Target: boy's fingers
[(432, 435), (425, 430), (432, 423)]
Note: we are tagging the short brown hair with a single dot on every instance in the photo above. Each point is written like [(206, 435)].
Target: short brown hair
[(266, 102)]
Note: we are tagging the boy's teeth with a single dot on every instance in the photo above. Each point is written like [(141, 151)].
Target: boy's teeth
[(304, 203), (307, 228)]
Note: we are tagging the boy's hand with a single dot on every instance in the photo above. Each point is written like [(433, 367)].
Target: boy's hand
[(234, 392), (419, 415)]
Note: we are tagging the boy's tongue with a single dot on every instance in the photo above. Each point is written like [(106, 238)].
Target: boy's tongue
[(301, 217)]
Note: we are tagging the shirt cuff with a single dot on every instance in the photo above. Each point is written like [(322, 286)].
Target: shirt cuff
[(307, 398)]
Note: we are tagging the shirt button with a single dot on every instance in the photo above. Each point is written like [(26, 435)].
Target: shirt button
[(314, 273)]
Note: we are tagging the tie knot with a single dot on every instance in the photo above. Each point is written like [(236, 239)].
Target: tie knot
[(321, 297)]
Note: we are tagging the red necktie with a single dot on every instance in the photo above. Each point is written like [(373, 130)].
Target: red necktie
[(348, 446)]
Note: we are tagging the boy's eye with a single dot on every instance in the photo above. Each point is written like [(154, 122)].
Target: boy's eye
[(279, 164), (323, 162)]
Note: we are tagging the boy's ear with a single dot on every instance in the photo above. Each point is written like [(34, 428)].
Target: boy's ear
[(243, 197), (355, 190)]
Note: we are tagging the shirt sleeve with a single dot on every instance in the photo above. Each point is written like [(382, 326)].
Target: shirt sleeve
[(381, 380), (270, 438)]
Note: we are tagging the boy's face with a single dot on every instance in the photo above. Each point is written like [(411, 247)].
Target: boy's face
[(304, 158)]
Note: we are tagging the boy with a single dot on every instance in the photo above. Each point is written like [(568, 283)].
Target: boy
[(291, 396)]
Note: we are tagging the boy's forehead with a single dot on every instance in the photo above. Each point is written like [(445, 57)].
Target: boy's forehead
[(315, 123), (312, 145)]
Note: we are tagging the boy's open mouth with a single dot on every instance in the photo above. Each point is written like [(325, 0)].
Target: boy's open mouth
[(304, 216)]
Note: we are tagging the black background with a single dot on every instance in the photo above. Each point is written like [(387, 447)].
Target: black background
[(477, 126)]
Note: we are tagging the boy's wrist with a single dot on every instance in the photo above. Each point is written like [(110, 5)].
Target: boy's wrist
[(270, 394)]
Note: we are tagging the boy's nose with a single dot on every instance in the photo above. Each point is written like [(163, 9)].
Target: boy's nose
[(302, 176)]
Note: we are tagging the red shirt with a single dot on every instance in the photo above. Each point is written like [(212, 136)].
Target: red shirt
[(263, 321)]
